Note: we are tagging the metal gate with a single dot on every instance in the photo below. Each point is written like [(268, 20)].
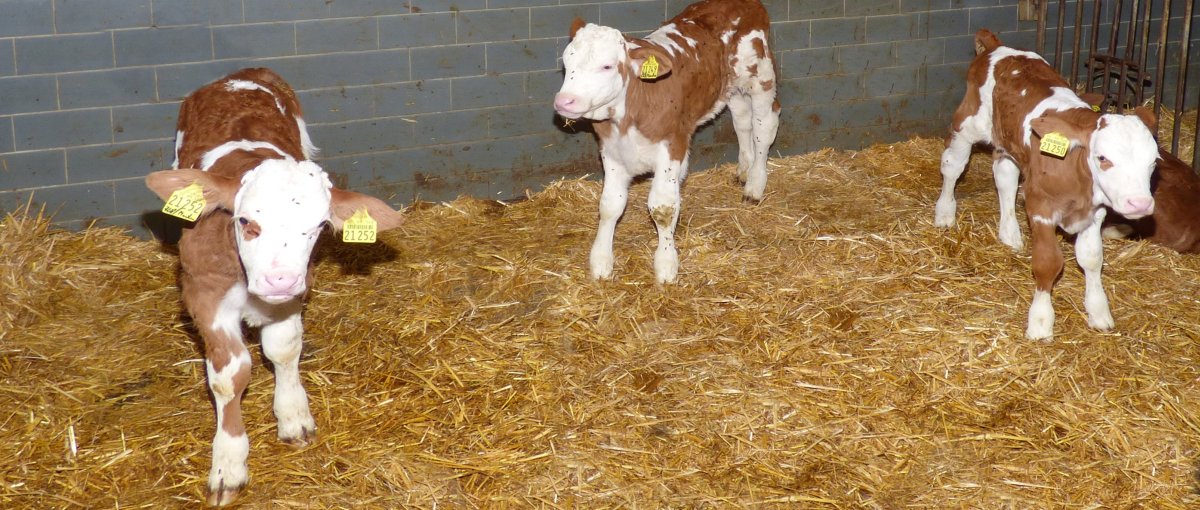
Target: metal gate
[(1122, 69)]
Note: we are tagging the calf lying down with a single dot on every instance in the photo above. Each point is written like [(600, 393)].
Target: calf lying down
[(1176, 219)]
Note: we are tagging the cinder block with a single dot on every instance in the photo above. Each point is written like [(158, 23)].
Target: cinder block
[(26, 17), (183, 12), (523, 120), (493, 25), (285, 10), (145, 122), (960, 49), (32, 169), (556, 21), (432, 29), (338, 70), (118, 161), (6, 135), (64, 53), (487, 91), (62, 129), (777, 10), (451, 127), (508, 4), (177, 81), (342, 104), (26, 94), (65, 203), (444, 6), (872, 7), (891, 81), (633, 16), (834, 32), (134, 198), (411, 98), (256, 40), (821, 89), (541, 86), (373, 135), (333, 35), (789, 35), (814, 61), (814, 9), (898, 27), (923, 5), (73, 16), (535, 55), (959, 4), (145, 46), (855, 59), (106, 88), (996, 19), (8, 64), (927, 51), (949, 23), (448, 61), (354, 8), (363, 170)]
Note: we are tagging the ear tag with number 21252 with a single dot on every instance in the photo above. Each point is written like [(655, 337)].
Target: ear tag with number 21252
[(186, 203), (360, 228)]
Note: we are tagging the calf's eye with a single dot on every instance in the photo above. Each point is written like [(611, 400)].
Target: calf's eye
[(243, 221), (608, 67)]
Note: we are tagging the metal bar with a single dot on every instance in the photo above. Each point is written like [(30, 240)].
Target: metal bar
[(1058, 36), (1091, 74), (1181, 79), (1113, 32), (1128, 55), (1143, 50), (1161, 69), (1075, 69), (1196, 143), (1041, 27)]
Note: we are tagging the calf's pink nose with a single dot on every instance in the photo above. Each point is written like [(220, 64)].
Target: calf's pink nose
[(280, 283), (564, 102), (1139, 205)]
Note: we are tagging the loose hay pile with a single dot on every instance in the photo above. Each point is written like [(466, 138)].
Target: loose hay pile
[(828, 348)]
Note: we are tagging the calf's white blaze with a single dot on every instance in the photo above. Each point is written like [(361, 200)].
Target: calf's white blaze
[(290, 203), (1126, 143), (592, 83)]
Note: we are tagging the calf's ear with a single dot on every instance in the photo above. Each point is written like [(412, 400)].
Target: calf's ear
[(576, 24), (218, 191), (343, 204), (1047, 124), (663, 64), (1147, 116), (1093, 99)]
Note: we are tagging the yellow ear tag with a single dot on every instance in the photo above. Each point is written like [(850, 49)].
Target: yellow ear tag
[(1055, 144), (1095, 108), (360, 228), (650, 68), (186, 203)]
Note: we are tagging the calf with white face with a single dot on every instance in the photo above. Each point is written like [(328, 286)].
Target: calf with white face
[(646, 97), (1074, 161), (247, 257)]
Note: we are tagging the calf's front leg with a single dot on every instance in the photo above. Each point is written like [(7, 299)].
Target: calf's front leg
[(612, 206), (227, 363), (664, 204), (1089, 253), (282, 343), (1047, 264)]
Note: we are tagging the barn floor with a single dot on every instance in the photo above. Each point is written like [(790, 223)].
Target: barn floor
[(828, 348)]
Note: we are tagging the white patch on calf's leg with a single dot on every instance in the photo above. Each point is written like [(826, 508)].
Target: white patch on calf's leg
[(1007, 175), (765, 127), (1089, 253), (1041, 317), (664, 204), (612, 205), (228, 319), (742, 111), (954, 162), (282, 342), (229, 472)]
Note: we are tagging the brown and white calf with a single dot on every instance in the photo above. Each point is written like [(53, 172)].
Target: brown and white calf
[(1176, 219), (712, 54), (247, 258), (1013, 100)]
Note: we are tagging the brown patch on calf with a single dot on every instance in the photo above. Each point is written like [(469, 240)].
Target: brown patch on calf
[(768, 85)]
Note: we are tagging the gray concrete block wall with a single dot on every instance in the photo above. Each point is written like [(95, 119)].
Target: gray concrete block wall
[(426, 99)]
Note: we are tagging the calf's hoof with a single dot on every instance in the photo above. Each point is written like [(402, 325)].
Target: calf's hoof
[(602, 267), (222, 495), (299, 440)]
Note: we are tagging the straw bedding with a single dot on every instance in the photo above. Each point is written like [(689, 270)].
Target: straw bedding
[(827, 348)]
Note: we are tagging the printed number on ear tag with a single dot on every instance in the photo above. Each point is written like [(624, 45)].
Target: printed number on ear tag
[(186, 203), (360, 228), (650, 68), (1055, 144)]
